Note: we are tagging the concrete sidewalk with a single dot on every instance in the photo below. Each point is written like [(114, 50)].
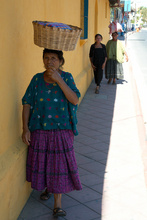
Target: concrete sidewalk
[(109, 155)]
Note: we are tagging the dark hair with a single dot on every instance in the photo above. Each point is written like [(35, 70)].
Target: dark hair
[(115, 33), (98, 35), (58, 52)]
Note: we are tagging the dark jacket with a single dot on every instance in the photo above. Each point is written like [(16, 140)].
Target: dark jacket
[(92, 49)]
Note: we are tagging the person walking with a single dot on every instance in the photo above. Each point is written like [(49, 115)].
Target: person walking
[(98, 58), (49, 125), (115, 52)]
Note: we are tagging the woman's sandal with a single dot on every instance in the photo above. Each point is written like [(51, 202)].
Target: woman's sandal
[(109, 81), (96, 91), (58, 212), (45, 195)]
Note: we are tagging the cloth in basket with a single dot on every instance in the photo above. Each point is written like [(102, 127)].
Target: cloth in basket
[(55, 24)]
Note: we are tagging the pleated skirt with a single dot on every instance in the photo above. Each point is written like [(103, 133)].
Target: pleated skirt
[(51, 162), (114, 69)]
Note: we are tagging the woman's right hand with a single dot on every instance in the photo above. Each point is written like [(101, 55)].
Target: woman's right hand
[(127, 59), (94, 67), (26, 136), (52, 74)]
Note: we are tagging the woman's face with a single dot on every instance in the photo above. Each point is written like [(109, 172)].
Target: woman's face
[(51, 60), (114, 36), (98, 39)]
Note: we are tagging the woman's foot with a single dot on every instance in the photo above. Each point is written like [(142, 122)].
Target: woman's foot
[(114, 81), (109, 81), (45, 195), (97, 90), (58, 212)]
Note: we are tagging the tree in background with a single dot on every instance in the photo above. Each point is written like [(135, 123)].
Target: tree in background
[(143, 11)]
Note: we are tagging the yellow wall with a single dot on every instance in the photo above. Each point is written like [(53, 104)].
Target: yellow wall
[(20, 59)]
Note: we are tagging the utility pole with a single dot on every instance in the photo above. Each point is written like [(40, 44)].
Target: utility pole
[(126, 26), (127, 8)]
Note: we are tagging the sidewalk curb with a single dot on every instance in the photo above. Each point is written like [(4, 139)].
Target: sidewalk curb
[(142, 90)]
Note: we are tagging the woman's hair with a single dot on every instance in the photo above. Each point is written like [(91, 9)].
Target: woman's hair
[(115, 33), (98, 35), (58, 52)]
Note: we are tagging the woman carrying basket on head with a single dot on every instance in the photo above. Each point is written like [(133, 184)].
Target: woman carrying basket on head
[(49, 125)]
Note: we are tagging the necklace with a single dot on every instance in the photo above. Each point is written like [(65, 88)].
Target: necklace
[(50, 86)]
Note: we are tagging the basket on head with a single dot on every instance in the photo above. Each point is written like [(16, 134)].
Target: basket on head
[(56, 36)]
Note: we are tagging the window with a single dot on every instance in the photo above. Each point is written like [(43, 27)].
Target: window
[(84, 19)]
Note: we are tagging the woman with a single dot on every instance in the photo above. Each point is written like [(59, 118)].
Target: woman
[(49, 125), (98, 58), (115, 52)]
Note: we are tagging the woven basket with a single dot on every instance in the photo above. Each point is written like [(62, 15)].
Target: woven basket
[(56, 38)]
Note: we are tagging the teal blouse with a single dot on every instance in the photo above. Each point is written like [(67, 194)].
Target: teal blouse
[(49, 107)]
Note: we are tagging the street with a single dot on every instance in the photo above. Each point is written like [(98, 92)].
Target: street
[(137, 43), (136, 47)]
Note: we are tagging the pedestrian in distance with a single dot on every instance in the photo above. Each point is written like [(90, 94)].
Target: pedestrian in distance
[(115, 52), (98, 58), (49, 125)]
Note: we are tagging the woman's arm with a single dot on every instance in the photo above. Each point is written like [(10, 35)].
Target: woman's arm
[(25, 121), (94, 67), (68, 92), (105, 54), (126, 56), (91, 53), (123, 50), (103, 66)]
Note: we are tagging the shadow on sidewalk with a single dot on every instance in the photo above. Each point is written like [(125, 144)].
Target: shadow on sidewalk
[(95, 116)]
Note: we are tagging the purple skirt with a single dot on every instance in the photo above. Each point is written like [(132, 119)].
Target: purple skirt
[(51, 161)]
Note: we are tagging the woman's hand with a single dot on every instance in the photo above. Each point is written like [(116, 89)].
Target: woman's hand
[(127, 59), (126, 56), (52, 74), (93, 67), (26, 136), (103, 66)]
